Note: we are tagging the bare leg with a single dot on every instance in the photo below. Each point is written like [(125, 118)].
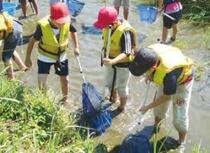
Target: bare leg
[(182, 136), (123, 101), (157, 121), (164, 34), (126, 12), (9, 66), (118, 9), (24, 8), (18, 61), (174, 26), (42, 80), (114, 96), (34, 2), (64, 87)]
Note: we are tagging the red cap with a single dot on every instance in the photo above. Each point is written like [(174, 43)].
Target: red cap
[(59, 12), (106, 16)]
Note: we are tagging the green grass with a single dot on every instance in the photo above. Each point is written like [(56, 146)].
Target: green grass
[(30, 121), (198, 149)]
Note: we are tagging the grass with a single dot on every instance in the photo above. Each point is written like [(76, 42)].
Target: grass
[(31, 122)]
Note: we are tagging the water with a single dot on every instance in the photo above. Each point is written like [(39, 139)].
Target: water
[(189, 38)]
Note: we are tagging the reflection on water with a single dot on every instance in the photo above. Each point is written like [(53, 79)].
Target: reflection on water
[(189, 38)]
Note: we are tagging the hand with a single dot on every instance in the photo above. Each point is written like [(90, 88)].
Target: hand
[(28, 62), (76, 51), (143, 109), (107, 61)]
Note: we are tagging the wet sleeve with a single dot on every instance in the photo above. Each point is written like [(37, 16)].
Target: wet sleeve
[(126, 42), (170, 82), (72, 28), (38, 33)]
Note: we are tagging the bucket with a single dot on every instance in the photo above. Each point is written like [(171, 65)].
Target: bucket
[(148, 13), (10, 8), (75, 7)]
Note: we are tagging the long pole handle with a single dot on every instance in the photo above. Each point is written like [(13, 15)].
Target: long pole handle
[(144, 102), (169, 16), (108, 41), (146, 94), (80, 68)]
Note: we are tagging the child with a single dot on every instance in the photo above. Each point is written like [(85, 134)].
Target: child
[(52, 33), (23, 4), (125, 4), (10, 36), (174, 9), (122, 43)]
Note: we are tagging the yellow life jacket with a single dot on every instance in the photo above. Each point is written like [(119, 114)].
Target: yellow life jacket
[(170, 59), (49, 45), (6, 25), (115, 40)]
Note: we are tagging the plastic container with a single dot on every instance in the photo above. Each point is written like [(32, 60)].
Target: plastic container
[(75, 7), (10, 8), (148, 13)]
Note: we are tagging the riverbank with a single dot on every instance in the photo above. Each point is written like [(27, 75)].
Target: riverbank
[(31, 121)]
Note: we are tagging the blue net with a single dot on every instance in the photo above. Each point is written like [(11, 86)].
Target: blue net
[(1, 7), (100, 122), (10, 8), (75, 7), (139, 142), (98, 119), (91, 99), (147, 13), (90, 29)]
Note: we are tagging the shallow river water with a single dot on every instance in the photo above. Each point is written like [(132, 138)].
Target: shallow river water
[(189, 38)]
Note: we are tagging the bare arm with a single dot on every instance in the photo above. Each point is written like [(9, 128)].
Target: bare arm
[(28, 61), (76, 42), (115, 60), (160, 5), (160, 100)]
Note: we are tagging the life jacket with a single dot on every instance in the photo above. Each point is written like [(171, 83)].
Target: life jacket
[(170, 59), (115, 48), (6, 25), (49, 45)]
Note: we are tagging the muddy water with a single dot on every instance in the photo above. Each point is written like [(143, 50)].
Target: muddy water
[(190, 39)]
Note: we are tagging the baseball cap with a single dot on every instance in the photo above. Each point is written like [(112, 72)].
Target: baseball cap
[(106, 16), (144, 59), (59, 12)]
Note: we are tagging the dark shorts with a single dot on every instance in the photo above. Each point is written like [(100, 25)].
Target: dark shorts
[(24, 1), (167, 22), (61, 68), (10, 44)]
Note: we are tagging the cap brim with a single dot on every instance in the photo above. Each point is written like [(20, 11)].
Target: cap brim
[(63, 20), (136, 69), (99, 25)]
